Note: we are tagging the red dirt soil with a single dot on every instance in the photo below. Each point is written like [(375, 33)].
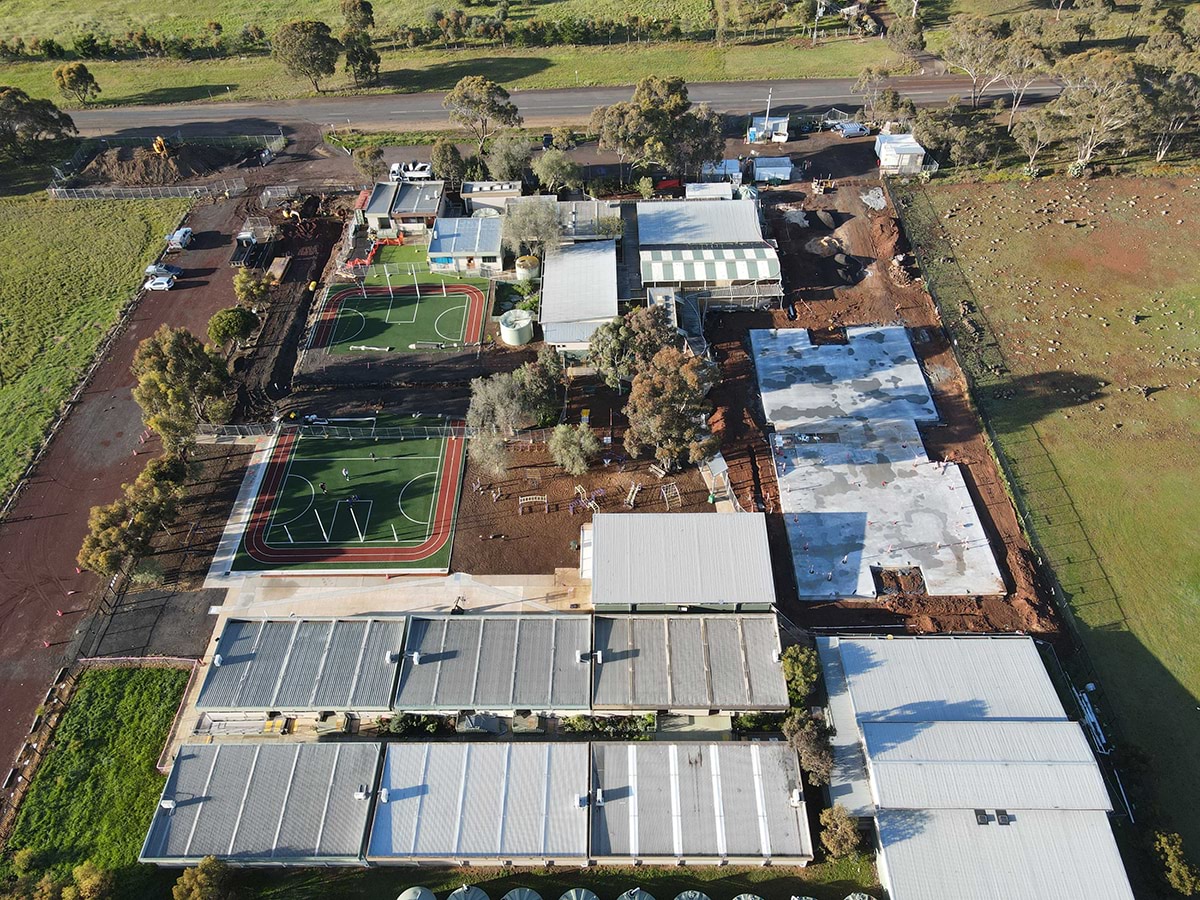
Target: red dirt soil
[(886, 295)]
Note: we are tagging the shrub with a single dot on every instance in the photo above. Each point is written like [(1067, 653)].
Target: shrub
[(1178, 872), (839, 832)]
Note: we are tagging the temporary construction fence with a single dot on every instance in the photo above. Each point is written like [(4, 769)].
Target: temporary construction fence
[(225, 188), (436, 429)]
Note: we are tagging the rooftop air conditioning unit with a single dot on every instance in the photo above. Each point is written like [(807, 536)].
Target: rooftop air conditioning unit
[(383, 795), (581, 801), (415, 656), (981, 817), (392, 656), (166, 804), (776, 656), (599, 657), (1002, 817), (797, 798), (362, 793), (216, 661), (599, 796), (583, 656)]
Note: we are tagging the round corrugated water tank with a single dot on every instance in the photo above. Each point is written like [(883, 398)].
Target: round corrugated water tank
[(528, 267), (417, 893), (516, 327)]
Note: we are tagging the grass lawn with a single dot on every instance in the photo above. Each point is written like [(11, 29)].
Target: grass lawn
[(64, 281), (95, 791), (71, 17), (388, 503), (826, 881), (1096, 303), (261, 78)]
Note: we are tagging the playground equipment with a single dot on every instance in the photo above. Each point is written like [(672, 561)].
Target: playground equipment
[(530, 500), (670, 494)]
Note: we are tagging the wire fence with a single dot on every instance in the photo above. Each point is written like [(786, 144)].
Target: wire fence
[(232, 187), (436, 430), (1066, 558)]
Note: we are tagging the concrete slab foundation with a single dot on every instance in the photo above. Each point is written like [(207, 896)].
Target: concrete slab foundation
[(858, 492)]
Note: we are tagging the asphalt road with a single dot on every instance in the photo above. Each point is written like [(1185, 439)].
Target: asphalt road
[(568, 106)]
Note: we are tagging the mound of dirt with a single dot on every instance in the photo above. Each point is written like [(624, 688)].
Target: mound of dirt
[(139, 166)]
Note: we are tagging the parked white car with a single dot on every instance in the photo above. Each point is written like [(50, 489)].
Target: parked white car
[(156, 270), (852, 129), (159, 283)]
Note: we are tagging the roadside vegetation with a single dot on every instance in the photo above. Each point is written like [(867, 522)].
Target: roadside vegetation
[(53, 316), (93, 795), (259, 77)]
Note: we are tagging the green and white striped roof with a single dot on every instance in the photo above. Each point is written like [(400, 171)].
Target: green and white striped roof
[(711, 264)]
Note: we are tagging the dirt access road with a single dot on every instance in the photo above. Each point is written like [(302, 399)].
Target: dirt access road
[(93, 454)]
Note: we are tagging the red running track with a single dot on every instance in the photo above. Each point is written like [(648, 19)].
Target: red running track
[(255, 537), (472, 333)]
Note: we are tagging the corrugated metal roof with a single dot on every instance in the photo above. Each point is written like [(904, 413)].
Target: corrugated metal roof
[(383, 195), (728, 801), (1042, 855), (898, 144), (964, 765), (714, 264), (579, 283), (848, 783), (677, 559), (303, 664), (466, 237), (418, 198), (281, 803), (652, 662), (709, 190), (947, 679), (496, 663), (482, 801), (563, 333), (684, 223)]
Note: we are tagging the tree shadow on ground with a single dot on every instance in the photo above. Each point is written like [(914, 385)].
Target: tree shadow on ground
[(181, 94), (443, 76), (1015, 403)]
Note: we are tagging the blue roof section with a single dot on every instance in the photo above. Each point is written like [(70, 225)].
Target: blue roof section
[(466, 237)]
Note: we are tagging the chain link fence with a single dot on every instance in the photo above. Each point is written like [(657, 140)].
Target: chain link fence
[(225, 188)]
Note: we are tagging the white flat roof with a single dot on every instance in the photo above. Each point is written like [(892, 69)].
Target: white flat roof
[(962, 765), (579, 283), (698, 801), (928, 730), (708, 190), (683, 223), (857, 490), (1041, 855), (677, 559), (481, 801), (948, 679)]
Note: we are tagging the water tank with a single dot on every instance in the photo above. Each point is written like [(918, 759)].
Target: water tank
[(516, 327), (528, 268)]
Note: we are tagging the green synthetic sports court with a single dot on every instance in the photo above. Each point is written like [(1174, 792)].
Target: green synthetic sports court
[(401, 307), (356, 495)]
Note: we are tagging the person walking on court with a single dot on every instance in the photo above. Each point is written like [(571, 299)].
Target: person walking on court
[(324, 490), (373, 459), (345, 473), (353, 498)]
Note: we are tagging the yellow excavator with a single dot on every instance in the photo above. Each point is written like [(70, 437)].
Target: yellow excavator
[(161, 147)]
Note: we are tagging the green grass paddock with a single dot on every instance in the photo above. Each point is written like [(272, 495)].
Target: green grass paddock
[(94, 794)]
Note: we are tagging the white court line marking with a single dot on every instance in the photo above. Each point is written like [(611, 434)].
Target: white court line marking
[(363, 522), (312, 496), (461, 329), (362, 458), (287, 473), (388, 318), (400, 500), (361, 328)]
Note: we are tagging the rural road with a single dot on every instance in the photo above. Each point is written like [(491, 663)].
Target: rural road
[(540, 108)]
